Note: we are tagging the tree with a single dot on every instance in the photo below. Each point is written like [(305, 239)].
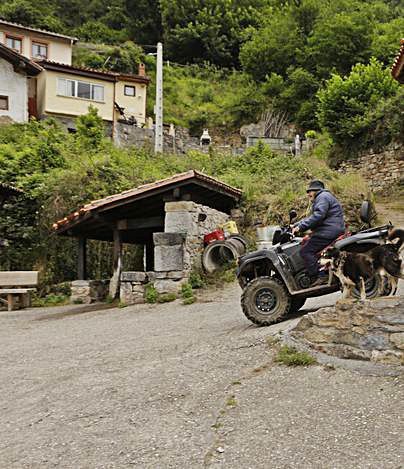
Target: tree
[(271, 49), (338, 42), (386, 40), (346, 103), (207, 30)]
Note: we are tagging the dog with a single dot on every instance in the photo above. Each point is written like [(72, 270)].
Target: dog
[(354, 269), (395, 236)]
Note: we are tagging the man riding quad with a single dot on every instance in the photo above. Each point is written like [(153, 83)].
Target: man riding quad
[(326, 223)]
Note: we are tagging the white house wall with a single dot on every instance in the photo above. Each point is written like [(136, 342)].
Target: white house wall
[(14, 85)]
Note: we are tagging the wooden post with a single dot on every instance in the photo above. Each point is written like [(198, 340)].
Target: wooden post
[(82, 259), (117, 260)]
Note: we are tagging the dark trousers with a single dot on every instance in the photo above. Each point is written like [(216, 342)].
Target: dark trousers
[(310, 252)]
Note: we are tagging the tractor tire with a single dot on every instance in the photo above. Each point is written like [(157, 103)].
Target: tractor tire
[(265, 300)]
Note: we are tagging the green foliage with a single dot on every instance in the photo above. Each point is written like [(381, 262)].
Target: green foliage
[(50, 300), (311, 134), (207, 30), (186, 290), (166, 297), (189, 301), (346, 104), (90, 129), (196, 280), (151, 295), (291, 357)]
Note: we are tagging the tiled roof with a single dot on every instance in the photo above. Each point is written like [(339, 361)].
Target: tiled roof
[(397, 70), (108, 75), (18, 59), (132, 194), (37, 30), (9, 190)]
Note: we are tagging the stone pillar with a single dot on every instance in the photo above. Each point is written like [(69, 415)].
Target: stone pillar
[(82, 259), (117, 260), (132, 287)]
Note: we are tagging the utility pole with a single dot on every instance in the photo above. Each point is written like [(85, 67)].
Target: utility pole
[(158, 110)]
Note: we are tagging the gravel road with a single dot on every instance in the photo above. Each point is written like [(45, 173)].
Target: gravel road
[(172, 386)]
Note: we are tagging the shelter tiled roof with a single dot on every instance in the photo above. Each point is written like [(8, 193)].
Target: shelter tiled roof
[(37, 30), (8, 191), (132, 195), (397, 70)]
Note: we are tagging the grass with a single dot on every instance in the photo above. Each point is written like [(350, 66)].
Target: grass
[(166, 297), (291, 357), (150, 294), (231, 401), (50, 300)]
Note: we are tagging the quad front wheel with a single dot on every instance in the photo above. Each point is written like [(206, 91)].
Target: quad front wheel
[(265, 300)]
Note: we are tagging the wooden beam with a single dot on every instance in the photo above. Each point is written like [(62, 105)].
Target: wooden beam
[(117, 265), (82, 259), (140, 223)]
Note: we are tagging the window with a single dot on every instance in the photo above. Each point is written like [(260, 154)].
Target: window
[(80, 89), (130, 90), (14, 43), (39, 51), (3, 103)]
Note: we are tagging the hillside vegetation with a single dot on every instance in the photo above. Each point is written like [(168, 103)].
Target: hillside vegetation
[(261, 54)]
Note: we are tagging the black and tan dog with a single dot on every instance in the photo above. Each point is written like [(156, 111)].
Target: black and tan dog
[(395, 236), (354, 269)]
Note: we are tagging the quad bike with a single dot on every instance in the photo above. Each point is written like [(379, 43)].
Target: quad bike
[(275, 282)]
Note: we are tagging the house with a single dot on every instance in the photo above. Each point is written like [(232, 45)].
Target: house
[(65, 92), (57, 88), (17, 85), (397, 70), (36, 43)]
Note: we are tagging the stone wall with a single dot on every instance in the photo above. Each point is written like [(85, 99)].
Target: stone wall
[(88, 291), (194, 220), (382, 170), (371, 330)]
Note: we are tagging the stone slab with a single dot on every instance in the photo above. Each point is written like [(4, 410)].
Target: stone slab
[(180, 206), (138, 277), (168, 239), (168, 258)]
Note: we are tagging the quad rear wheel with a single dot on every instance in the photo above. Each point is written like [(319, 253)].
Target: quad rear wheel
[(265, 301)]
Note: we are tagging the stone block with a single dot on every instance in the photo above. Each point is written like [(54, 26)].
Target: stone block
[(168, 286), (173, 275), (80, 283), (398, 340), (168, 239), (138, 277), (317, 334), (180, 206), (180, 222), (131, 294), (168, 258), (388, 357)]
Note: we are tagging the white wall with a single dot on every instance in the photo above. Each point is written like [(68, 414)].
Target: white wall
[(14, 85)]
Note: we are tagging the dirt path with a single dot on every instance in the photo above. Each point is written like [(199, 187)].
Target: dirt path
[(174, 386)]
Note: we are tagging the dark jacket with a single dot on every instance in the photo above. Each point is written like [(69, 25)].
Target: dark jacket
[(327, 219)]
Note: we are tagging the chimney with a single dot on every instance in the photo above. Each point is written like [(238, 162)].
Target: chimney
[(142, 70)]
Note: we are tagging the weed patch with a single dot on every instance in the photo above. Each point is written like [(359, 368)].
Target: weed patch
[(291, 357)]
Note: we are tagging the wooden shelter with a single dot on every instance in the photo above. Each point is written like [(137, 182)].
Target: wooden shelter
[(397, 70), (134, 215)]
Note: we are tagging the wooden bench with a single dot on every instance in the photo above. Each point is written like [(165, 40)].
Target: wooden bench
[(18, 286)]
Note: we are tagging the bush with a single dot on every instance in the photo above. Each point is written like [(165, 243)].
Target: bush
[(195, 279), (346, 104), (151, 294), (166, 297), (186, 290)]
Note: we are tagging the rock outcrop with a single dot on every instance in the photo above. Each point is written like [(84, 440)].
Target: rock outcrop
[(372, 330)]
